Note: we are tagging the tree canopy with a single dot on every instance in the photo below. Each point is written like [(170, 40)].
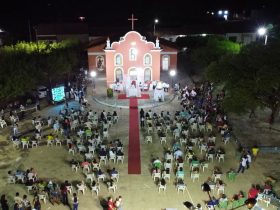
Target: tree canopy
[(26, 64), (214, 48), (251, 78)]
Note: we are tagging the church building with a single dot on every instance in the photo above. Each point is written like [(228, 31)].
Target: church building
[(131, 58)]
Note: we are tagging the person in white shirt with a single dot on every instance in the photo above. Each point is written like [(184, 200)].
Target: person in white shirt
[(242, 164), (178, 153), (118, 203), (249, 160)]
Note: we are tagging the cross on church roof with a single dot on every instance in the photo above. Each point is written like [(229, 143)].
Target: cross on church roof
[(132, 21)]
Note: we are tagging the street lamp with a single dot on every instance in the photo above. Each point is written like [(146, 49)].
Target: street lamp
[(155, 22), (262, 31), (93, 75), (223, 13), (172, 73)]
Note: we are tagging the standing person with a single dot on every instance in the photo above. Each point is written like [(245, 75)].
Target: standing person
[(118, 203), (36, 203), (249, 159), (255, 151), (18, 200), (4, 202), (242, 165), (63, 190), (111, 205), (142, 121), (75, 201), (26, 203), (142, 113)]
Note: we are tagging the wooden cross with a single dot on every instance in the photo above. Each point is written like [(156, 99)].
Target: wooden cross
[(132, 21)]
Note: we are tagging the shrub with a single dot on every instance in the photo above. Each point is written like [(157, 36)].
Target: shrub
[(109, 92)]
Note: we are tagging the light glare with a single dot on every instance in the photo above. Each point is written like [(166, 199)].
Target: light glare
[(262, 31)]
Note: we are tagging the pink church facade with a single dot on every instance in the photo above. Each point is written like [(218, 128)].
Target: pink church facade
[(132, 58)]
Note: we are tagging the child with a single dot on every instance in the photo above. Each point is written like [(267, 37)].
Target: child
[(75, 201)]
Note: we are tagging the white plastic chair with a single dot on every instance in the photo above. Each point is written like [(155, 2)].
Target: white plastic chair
[(166, 176), (194, 127), (113, 158), (181, 188), (71, 150), (3, 123), (149, 139), (163, 139), (195, 176), (29, 189), (204, 165), (91, 149), (89, 156), (34, 144), (113, 188), (221, 157), (115, 177), (217, 176), (104, 159), (81, 188), (203, 147), (220, 189), (95, 189), (210, 156), (43, 197), (58, 142), (90, 176), (156, 175), (161, 187), (86, 168), (101, 177), (24, 144), (120, 158), (183, 140), (11, 180), (49, 143), (95, 166)]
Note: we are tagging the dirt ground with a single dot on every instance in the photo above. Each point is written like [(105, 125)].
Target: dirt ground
[(139, 192)]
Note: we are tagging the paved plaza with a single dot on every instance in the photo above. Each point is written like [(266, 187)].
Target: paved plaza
[(139, 192)]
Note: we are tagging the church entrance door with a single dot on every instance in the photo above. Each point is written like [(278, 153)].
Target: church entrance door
[(133, 74)]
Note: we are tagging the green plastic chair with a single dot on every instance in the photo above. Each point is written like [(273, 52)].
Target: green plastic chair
[(223, 205), (235, 204), (231, 176), (241, 201)]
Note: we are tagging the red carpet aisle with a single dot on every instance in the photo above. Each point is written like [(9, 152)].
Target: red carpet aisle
[(143, 96), (134, 161)]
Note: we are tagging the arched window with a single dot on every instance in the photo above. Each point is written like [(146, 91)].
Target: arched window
[(147, 74), (132, 54), (147, 60), (165, 62), (118, 75), (118, 59)]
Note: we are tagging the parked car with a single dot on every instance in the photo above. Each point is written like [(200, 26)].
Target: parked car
[(42, 91)]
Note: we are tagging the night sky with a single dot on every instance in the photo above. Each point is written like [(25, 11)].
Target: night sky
[(14, 15)]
